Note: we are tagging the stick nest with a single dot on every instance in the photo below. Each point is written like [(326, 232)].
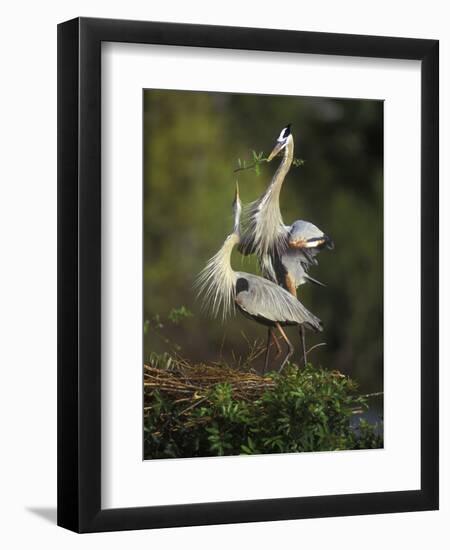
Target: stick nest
[(185, 382)]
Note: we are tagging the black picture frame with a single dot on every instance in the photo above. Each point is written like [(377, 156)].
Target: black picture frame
[(79, 274)]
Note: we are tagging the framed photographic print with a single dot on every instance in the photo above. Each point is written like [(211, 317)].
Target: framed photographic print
[(248, 275)]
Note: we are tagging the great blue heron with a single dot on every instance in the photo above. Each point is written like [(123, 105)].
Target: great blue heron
[(285, 252), (255, 297)]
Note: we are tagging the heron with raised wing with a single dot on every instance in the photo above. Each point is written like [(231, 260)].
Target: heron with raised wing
[(257, 298), (285, 252)]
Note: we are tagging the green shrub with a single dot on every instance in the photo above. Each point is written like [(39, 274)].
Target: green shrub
[(307, 409)]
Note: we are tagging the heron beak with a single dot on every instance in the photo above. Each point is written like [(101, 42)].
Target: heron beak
[(236, 194), (324, 241), (314, 243), (278, 147)]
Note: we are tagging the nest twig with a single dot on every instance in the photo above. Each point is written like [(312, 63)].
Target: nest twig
[(193, 382)]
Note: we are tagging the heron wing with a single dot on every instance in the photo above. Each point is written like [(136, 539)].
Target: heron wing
[(265, 299)]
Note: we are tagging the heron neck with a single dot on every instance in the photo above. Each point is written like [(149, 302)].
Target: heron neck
[(283, 168), (270, 226), (273, 191), (237, 225), (227, 250), (217, 280), (225, 277)]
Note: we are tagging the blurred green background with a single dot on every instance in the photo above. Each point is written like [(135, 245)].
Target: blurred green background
[(192, 142)]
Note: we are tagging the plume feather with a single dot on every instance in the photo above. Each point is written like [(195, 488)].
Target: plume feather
[(217, 281)]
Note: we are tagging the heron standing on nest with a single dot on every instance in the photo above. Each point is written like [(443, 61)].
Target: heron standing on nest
[(255, 297), (285, 252)]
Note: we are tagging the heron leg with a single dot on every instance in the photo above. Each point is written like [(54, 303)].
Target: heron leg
[(290, 285), (277, 344), (290, 347), (266, 360), (302, 338)]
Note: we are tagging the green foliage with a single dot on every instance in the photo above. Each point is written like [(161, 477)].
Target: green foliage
[(298, 162), (177, 314), (156, 327), (161, 360), (307, 409), (258, 159)]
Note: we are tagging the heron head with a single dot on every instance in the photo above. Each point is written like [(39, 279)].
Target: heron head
[(281, 142)]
